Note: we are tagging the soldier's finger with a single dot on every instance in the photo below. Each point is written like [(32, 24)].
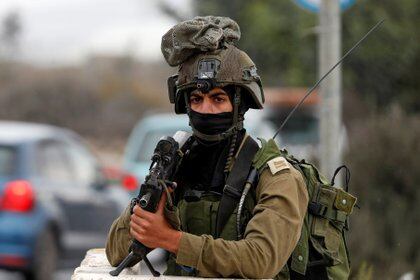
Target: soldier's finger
[(137, 228), (149, 216), (137, 209), (134, 234), (162, 202), (138, 236), (172, 187), (134, 219)]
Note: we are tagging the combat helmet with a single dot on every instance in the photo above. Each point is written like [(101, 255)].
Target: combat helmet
[(204, 51)]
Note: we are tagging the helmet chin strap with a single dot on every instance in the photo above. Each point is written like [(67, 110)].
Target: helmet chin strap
[(237, 124)]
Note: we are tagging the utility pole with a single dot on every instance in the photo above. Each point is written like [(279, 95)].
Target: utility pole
[(329, 47)]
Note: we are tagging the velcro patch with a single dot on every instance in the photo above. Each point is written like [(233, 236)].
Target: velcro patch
[(277, 164)]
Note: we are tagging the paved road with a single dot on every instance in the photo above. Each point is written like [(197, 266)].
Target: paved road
[(65, 271), (59, 275)]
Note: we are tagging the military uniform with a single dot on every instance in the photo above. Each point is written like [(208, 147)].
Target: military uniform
[(273, 211), (270, 235)]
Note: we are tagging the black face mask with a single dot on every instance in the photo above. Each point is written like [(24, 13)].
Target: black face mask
[(211, 124)]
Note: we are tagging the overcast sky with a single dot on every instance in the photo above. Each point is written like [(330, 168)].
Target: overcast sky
[(66, 31)]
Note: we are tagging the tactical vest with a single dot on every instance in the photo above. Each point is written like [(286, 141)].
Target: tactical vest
[(199, 211), (321, 252), (199, 217)]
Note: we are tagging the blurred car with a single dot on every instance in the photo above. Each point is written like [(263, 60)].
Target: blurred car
[(54, 201)]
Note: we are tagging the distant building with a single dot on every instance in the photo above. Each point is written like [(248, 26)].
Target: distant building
[(300, 136)]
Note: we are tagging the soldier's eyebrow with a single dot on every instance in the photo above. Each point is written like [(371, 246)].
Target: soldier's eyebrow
[(216, 94), (196, 93), (209, 94)]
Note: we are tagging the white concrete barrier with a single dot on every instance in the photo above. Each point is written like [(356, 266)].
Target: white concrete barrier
[(95, 266)]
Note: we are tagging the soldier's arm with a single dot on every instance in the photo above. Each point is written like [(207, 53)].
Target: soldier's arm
[(119, 239), (270, 236)]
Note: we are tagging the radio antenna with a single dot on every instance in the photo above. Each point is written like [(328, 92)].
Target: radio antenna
[(326, 74)]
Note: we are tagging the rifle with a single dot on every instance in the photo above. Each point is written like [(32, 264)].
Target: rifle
[(165, 159)]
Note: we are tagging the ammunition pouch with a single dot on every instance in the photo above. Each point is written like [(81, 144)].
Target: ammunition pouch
[(322, 242)]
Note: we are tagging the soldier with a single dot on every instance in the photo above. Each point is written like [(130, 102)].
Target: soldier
[(218, 230)]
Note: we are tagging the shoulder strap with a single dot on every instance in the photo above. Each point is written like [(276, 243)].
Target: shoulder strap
[(235, 183)]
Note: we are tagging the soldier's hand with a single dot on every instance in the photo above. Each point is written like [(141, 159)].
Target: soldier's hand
[(152, 229)]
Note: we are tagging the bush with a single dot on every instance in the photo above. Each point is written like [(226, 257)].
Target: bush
[(384, 157)]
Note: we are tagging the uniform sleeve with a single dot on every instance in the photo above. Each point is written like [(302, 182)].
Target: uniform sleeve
[(119, 239), (270, 236)]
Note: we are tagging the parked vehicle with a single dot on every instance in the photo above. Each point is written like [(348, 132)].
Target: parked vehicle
[(54, 201)]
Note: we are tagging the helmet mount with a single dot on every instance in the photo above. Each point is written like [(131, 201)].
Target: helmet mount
[(206, 74)]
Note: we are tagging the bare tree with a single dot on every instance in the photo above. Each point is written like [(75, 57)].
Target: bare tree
[(170, 11), (10, 34)]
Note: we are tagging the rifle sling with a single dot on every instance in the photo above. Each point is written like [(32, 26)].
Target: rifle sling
[(235, 183)]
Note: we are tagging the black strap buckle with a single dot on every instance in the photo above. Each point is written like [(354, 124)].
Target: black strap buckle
[(232, 192), (192, 195), (317, 209)]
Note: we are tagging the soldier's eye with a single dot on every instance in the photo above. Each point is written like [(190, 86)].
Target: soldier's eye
[(195, 99), (219, 99)]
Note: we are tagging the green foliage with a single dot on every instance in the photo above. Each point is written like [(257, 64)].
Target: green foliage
[(277, 35), (384, 160), (281, 38), (385, 70)]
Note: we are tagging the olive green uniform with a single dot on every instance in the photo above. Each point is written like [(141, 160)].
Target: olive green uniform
[(269, 239)]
